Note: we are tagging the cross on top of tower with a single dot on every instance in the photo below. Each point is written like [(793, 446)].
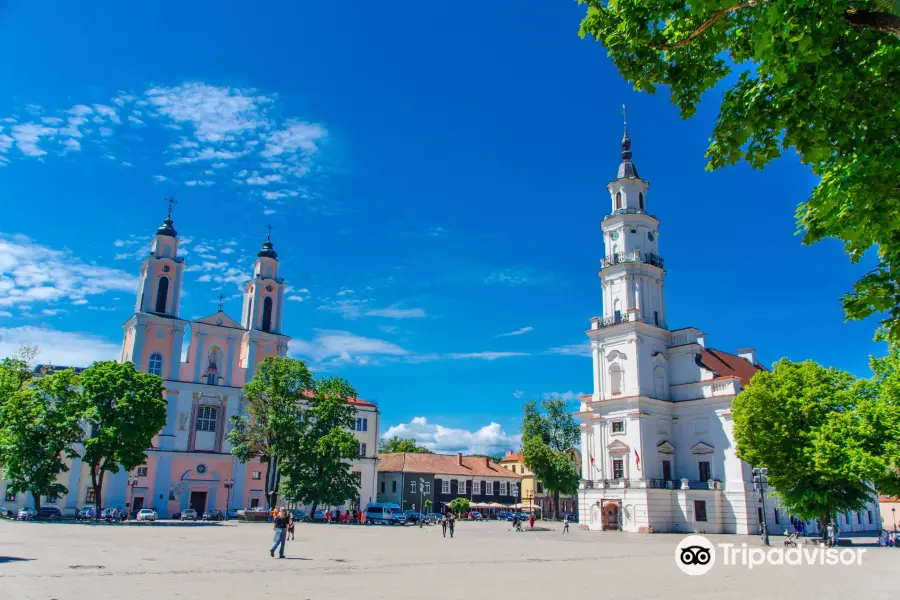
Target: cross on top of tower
[(268, 250), (627, 168), (171, 200), (269, 235), (221, 302)]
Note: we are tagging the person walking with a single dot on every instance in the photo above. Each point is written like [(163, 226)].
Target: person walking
[(531, 521), (451, 525), (444, 525), (829, 531), (281, 524), (566, 524), (290, 525)]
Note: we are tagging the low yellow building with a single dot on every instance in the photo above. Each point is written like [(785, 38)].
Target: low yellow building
[(889, 508), (534, 496)]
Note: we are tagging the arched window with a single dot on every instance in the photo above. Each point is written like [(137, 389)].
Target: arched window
[(250, 314), (618, 200), (268, 270), (155, 364), (641, 200), (659, 376), (162, 294), (166, 250), (616, 376), (267, 314), (617, 310), (214, 354)]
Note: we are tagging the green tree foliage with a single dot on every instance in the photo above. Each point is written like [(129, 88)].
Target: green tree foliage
[(398, 444), (881, 415), (808, 426), (821, 76), (123, 410), (546, 439), (16, 371), (317, 469), (460, 506), (272, 427), (38, 426)]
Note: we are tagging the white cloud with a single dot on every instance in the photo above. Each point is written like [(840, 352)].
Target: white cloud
[(329, 347), (515, 277), (569, 396), (227, 250), (264, 180), (201, 183), (160, 178), (297, 135), (63, 348), (72, 144), (583, 349), (394, 312), (28, 135), (31, 273), (105, 131), (134, 120), (108, 113), (518, 394), (521, 331), (5, 313), (484, 355), (490, 439)]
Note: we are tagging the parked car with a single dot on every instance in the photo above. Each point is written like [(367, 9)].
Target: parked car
[(412, 517), (175, 516), (7, 513), (232, 513), (505, 515), (384, 513), (48, 513), (189, 514), (476, 516), (109, 514), (434, 518), (573, 518), (25, 514), (146, 514), (86, 514), (213, 515), (318, 516), (299, 515)]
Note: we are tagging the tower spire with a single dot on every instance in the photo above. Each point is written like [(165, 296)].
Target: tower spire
[(168, 225), (268, 250), (627, 168)]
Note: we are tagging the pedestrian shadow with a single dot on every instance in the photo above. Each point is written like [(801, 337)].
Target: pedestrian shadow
[(9, 559), (295, 558)]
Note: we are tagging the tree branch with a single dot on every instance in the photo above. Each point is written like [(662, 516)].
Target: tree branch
[(879, 21), (709, 23)]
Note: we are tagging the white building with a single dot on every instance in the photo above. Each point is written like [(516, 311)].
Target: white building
[(658, 452)]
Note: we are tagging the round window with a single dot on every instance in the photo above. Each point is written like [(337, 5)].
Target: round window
[(268, 288), (166, 268), (201, 468), (650, 235)]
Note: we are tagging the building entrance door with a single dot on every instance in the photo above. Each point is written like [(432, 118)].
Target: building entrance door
[(198, 502), (137, 504)]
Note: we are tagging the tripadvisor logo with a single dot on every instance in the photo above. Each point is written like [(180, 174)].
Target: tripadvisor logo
[(696, 555)]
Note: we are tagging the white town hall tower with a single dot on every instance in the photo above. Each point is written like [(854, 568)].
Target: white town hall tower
[(658, 453)]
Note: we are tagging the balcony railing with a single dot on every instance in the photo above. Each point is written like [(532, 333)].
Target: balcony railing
[(632, 257)]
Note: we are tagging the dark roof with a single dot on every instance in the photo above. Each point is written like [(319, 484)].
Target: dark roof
[(724, 364), (167, 228), (627, 170)]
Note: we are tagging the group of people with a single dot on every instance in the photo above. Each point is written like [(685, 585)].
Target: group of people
[(346, 517), (889, 539), (448, 523)]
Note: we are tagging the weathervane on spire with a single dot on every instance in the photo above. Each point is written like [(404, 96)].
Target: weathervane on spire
[(221, 302), (171, 201), (625, 117), (269, 236)]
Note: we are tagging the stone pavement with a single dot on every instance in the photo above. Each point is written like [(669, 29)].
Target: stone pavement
[(486, 561)]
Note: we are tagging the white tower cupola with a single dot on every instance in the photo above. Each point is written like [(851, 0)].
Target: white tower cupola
[(632, 271)]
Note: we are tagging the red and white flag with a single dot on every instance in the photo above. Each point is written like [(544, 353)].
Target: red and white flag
[(638, 459)]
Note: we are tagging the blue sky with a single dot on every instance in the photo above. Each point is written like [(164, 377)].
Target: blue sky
[(435, 179)]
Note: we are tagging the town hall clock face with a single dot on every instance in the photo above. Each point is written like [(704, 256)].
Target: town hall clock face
[(268, 288), (650, 235), (614, 235), (166, 268)]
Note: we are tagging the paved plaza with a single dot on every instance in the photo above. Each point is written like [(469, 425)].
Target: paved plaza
[(486, 561)]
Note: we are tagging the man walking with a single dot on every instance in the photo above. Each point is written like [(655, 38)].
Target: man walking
[(281, 523), (444, 525), (566, 524), (451, 525)]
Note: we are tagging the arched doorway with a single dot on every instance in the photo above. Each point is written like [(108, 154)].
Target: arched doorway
[(612, 516)]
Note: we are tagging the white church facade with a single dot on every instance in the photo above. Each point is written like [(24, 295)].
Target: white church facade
[(658, 450)]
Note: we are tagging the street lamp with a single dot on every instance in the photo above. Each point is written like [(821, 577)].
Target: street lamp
[(760, 480), (421, 501), (132, 483), (229, 483), (894, 514)]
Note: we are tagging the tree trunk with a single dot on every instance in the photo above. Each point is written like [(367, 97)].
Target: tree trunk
[(312, 509), (98, 492), (556, 505), (97, 508), (824, 532), (272, 481), (37, 501), (879, 21)]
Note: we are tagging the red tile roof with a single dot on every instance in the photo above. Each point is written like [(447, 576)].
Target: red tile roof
[(443, 464), (516, 457), (358, 402), (724, 364)]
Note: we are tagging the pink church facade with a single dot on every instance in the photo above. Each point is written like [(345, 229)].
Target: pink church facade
[(190, 462)]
